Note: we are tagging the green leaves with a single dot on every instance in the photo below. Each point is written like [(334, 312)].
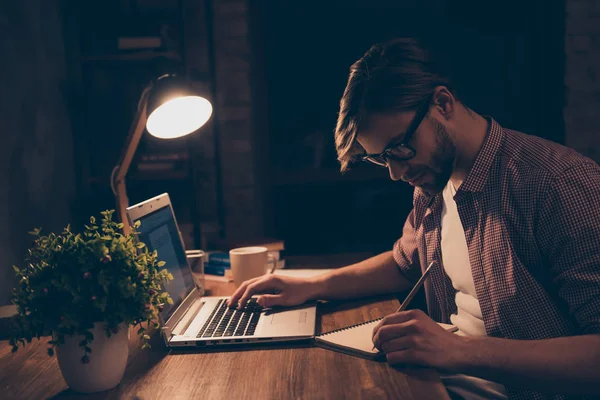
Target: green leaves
[(107, 214), (35, 232), (73, 280)]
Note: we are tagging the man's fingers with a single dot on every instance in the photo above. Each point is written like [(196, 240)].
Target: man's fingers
[(389, 332), (240, 291), (396, 318), (237, 294), (377, 327), (402, 316), (264, 284), (270, 300), (399, 344), (403, 357)]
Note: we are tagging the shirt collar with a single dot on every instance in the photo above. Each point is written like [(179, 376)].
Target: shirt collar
[(480, 172)]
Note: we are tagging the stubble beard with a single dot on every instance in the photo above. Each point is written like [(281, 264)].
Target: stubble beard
[(441, 163)]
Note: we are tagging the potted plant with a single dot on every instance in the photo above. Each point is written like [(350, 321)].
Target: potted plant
[(86, 290)]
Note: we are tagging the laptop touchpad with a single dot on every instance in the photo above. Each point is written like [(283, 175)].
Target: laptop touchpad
[(287, 318)]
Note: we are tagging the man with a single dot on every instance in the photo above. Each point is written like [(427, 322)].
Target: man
[(512, 221)]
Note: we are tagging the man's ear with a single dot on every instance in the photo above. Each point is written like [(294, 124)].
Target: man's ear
[(444, 102)]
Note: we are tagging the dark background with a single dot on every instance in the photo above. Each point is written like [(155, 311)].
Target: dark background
[(264, 165), (505, 57)]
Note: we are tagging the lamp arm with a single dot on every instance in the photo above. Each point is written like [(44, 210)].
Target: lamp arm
[(119, 173)]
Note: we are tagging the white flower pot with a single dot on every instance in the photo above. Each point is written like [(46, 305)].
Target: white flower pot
[(108, 360)]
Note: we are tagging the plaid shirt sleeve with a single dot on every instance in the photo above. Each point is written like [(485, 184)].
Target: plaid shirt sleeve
[(569, 237), (406, 252)]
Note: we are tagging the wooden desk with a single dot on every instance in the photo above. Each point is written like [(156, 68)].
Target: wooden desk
[(285, 372)]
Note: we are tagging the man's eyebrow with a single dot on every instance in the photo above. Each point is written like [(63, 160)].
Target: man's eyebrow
[(396, 139)]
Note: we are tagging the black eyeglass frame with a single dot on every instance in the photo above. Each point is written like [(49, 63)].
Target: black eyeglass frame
[(380, 159)]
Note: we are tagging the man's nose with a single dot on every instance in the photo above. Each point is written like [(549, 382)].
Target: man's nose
[(397, 169)]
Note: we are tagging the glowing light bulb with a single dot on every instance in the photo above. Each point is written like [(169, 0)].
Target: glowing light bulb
[(179, 117)]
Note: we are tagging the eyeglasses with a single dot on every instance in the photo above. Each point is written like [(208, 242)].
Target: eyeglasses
[(400, 151)]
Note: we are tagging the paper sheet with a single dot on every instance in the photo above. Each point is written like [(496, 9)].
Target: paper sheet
[(301, 273)]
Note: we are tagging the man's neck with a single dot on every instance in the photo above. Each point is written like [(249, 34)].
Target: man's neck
[(469, 137)]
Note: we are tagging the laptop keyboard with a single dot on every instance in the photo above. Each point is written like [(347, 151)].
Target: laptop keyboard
[(225, 321)]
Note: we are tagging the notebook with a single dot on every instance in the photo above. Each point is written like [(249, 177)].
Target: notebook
[(356, 340)]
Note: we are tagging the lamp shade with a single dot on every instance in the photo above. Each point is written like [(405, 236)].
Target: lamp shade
[(174, 109)]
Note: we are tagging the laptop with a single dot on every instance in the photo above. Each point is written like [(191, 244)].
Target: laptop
[(194, 320)]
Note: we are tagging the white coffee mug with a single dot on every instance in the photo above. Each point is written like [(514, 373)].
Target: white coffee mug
[(249, 262)]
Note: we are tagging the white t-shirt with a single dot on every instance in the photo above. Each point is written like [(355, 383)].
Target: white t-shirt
[(468, 318)]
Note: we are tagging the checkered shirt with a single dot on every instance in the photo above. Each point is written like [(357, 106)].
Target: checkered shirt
[(530, 209)]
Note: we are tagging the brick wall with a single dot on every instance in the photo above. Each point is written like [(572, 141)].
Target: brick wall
[(226, 154), (197, 53), (238, 145), (582, 77)]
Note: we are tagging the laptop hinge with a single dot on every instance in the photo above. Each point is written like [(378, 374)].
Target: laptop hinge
[(171, 323), (167, 334)]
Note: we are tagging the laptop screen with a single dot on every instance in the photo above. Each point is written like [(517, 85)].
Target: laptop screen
[(158, 231)]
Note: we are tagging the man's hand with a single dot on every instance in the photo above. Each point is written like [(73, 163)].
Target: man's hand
[(276, 291), (412, 338)]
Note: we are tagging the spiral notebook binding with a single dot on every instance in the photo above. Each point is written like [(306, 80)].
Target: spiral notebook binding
[(350, 327)]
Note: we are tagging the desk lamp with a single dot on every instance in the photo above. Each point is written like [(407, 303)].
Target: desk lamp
[(168, 109)]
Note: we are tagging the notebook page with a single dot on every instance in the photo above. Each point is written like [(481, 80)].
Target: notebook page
[(357, 340)]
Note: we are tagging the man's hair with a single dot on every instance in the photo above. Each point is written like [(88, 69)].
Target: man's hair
[(398, 75)]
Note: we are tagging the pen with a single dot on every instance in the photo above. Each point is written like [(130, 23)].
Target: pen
[(414, 290)]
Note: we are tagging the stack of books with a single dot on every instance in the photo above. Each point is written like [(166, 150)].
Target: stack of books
[(217, 262)]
